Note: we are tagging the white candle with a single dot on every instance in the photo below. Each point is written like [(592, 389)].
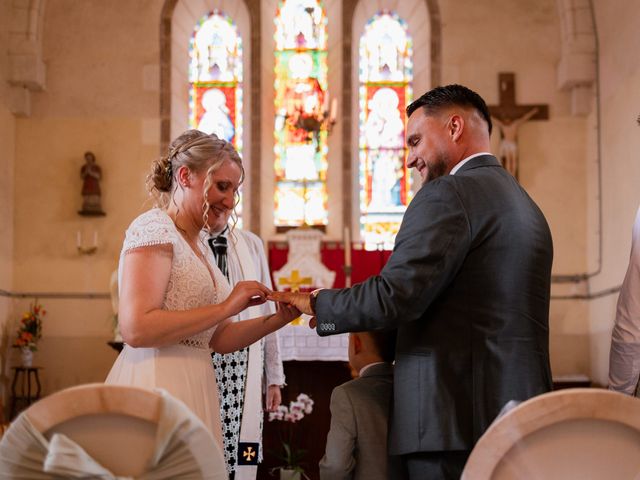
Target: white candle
[(347, 247), (334, 109), (78, 239)]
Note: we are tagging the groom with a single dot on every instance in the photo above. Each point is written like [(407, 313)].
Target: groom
[(467, 287)]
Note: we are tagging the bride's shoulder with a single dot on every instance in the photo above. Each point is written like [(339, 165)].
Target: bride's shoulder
[(152, 227), (155, 215)]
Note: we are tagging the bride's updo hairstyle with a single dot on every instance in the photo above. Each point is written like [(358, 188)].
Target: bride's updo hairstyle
[(198, 152)]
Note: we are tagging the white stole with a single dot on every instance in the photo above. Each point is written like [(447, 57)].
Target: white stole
[(250, 428)]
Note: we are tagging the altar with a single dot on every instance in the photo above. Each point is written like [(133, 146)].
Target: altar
[(313, 365), (299, 342)]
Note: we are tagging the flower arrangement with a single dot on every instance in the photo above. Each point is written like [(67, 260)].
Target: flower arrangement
[(296, 411), (30, 328)]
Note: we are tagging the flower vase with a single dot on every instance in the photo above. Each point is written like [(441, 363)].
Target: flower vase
[(289, 474), (26, 356)]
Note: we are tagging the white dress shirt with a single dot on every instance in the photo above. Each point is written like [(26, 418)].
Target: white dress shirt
[(459, 165), (624, 358)]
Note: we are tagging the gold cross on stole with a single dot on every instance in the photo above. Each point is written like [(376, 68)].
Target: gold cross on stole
[(248, 454)]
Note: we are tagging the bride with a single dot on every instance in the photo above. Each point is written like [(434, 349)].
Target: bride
[(175, 304)]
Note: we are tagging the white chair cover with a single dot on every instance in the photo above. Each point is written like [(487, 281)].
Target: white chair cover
[(184, 449), (574, 433)]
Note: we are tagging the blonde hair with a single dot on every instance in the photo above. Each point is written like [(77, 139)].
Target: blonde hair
[(198, 152)]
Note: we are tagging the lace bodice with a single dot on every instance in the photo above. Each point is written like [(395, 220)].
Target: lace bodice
[(190, 282)]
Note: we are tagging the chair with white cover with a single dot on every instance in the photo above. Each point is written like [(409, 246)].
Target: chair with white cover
[(572, 433), (110, 432)]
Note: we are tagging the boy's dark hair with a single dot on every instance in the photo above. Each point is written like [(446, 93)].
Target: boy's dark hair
[(385, 344), (441, 97)]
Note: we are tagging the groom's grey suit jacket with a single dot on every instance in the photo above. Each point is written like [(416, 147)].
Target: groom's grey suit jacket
[(468, 288)]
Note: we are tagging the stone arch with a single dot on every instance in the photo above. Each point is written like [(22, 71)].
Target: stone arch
[(26, 68), (577, 66)]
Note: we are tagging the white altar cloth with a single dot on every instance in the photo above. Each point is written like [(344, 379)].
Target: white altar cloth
[(303, 343)]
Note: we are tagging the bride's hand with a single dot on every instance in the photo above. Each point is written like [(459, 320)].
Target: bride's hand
[(246, 294), (300, 300), (286, 313)]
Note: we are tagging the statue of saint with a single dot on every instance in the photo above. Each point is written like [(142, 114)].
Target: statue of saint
[(91, 175)]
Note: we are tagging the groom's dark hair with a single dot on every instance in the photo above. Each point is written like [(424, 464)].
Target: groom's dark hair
[(441, 97)]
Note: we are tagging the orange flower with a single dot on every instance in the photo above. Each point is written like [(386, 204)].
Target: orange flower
[(30, 327)]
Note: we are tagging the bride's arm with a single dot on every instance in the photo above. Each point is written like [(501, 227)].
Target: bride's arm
[(143, 323), (231, 336)]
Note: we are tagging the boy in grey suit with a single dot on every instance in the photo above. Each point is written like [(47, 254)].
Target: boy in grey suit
[(357, 439)]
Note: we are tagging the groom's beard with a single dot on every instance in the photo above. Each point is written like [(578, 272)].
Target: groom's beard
[(436, 168)]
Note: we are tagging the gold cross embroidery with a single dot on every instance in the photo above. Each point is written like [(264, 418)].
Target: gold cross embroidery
[(294, 282), (249, 453)]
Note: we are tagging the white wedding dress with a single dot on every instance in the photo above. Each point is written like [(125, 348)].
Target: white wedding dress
[(185, 369)]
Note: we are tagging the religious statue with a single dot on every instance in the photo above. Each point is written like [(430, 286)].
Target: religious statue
[(91, 174), (508, 151)]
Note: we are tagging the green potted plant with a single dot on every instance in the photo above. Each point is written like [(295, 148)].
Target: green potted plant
[(290, 455)]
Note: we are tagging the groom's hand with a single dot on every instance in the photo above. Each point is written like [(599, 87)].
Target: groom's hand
[(302, 301)]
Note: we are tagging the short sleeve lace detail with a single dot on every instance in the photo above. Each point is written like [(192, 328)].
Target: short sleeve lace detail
[(190, 282), (154, 227)]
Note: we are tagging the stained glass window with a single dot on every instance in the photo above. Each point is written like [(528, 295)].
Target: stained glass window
[(215, 78), (386, 73), (301, 102)]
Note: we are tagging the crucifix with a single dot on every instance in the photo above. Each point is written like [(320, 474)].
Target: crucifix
[(508, 117)]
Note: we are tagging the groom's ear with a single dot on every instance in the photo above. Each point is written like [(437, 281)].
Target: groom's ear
[(455, 127)]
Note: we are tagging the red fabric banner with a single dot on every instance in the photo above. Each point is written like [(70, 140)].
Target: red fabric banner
[(365, 263)]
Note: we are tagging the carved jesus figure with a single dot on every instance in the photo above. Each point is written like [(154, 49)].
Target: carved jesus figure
[(508, 151)]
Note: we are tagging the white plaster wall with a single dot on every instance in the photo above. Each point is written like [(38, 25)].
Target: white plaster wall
[(481, 39), (101, 96), (617, 23), (267, 124), (7, 161), (335, 181)]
